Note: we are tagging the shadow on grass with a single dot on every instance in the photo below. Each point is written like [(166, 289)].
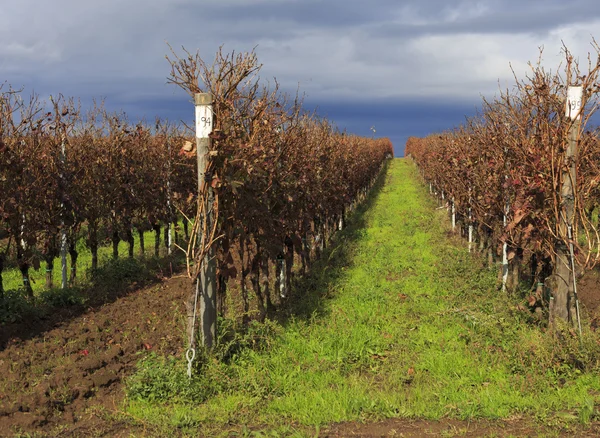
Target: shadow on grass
[(309, 292), (163, 379), (21, 319)]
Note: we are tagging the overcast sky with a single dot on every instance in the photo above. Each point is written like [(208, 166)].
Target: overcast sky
[(406, 67)]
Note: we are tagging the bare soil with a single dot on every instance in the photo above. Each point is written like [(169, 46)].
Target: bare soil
[(588, 290), (68, 380), (63, 376), (455, 428)]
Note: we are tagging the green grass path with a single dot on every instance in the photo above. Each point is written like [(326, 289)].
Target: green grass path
[(407, 324)]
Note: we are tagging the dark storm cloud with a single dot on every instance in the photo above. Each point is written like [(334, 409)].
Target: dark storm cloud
[(394, 119), (393, 18), (397, 119), (506, 17), (400, 66), (307, 13)]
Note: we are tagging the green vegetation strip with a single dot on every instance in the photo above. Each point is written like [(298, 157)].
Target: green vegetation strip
[(399, 321), (89, 287), (13, 281)]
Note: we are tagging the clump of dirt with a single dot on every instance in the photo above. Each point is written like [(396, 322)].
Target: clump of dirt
[(404, 427), (588, 290), (64, 381)]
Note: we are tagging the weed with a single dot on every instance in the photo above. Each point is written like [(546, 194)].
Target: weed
[(161, 379), (15, 307), (57, 297), (120, 271), (587, 410), (231, 340)]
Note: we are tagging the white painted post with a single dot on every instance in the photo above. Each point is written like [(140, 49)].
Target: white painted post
[(505, 220), (22, 233), (169, 236), (63, 231), (169, 208), (282, 277), (453, 215), (470, 230), (322, 240), (573, 104), (208, 279), (318, 241), (26, 283), (505, 252), (470, 222)]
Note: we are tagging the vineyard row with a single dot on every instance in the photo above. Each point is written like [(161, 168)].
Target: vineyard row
[(523, 176), (282, 178)]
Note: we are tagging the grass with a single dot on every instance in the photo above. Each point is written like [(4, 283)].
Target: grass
[(12, 279), (397, 321), (110, 275)]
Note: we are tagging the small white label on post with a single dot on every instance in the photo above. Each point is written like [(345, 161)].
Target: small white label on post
[(204, 118), (574, 102)]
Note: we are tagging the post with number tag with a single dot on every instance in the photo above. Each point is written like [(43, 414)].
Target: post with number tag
[(573, 103), (564, 303), (207, 280)]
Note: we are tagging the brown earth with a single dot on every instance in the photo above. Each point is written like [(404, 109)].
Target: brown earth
[(456, 428), (64, 381), (64, 376), (588, 290)]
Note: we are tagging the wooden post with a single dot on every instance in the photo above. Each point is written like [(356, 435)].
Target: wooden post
[(470, 223), (505, 251), (453, 215), (208, 270), (504, 270), (63, 231), (281, 275), (470, 230), (562, 294), (169, 206)]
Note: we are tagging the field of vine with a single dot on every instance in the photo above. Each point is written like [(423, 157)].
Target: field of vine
[(341, 298), (522, 178), (263, 201), (282, 180)]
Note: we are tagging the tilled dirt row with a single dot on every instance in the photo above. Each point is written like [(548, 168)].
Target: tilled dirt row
[(68, 381), (65, 381)]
